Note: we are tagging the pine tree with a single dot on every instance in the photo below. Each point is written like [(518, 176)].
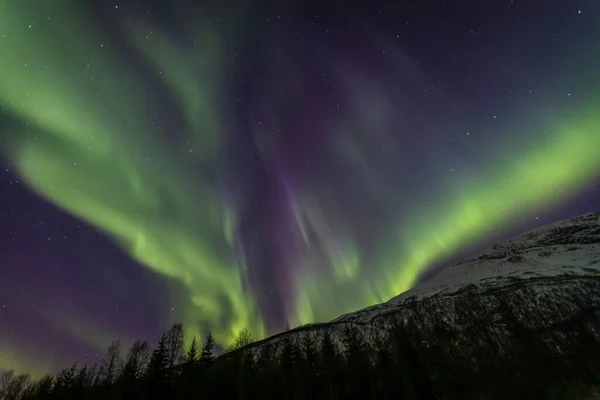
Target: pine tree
[(158, 373), (192, 354), (207, 376), (159, 361), (187, 381), (207, 357)]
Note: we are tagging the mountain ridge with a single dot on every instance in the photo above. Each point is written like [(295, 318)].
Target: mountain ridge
[(583, 229), (540, 279)]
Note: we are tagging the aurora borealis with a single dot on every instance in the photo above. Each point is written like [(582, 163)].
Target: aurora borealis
[(265, 167)]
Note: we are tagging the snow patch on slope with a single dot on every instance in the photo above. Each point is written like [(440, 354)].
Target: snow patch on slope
[(566, 248)]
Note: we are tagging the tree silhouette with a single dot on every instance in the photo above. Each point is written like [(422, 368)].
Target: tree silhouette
[(43, 388), (329, 363), (158, 375), (111, 362), (310, 364), (137, 360), (385, 370), (416, 378), (12, 386), (187, 381), (330, 368), (6, 378), (134, 368), (290, 364), (174, 345), (243, 338), (191, 356), (206, 357)]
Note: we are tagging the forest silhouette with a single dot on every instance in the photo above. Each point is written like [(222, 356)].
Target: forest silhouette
[(335, 364)]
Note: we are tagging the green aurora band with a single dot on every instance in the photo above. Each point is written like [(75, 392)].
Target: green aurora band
[(83, 161), (88, 121)]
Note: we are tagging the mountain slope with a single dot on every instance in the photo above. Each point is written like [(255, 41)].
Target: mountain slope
[(567, 250), (544, 285)]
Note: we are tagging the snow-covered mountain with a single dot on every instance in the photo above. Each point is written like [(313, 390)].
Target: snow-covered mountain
[(545, 282), (568, 250)]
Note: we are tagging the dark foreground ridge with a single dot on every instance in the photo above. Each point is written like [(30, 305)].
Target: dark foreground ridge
[(520, 321)]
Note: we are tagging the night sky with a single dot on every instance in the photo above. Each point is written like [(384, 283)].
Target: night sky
[(264, 165)]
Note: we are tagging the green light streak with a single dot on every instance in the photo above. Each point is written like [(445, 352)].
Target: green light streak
[(87, 157), (555, 167)]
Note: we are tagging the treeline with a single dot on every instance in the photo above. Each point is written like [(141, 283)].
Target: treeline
[(329, 363), (311, 368)]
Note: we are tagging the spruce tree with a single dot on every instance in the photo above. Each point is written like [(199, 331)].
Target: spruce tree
[(192, 354), (207, 357), (158, 373), (187, 382)]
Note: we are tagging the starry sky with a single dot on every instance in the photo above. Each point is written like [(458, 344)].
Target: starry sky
[(271, 164)]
